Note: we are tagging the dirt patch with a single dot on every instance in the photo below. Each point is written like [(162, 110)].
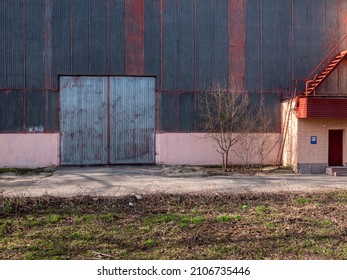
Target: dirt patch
[(204, 171)]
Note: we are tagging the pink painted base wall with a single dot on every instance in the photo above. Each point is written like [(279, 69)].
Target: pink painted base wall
[(29, 150), (198, 149)]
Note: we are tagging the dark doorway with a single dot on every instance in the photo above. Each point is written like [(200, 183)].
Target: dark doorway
[(335, 147)]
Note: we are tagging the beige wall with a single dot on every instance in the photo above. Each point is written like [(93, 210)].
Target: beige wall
[(298, 151), (290, 155), (308, 153)]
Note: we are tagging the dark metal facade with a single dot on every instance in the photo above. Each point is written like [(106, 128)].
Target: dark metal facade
[(263, 45)]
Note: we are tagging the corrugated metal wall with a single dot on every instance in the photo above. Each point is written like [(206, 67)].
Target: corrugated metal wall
[(265, 45)]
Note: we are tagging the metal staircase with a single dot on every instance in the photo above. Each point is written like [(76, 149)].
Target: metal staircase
[(311, 85)]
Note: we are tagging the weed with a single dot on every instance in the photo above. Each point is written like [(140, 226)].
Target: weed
[(223, 219), (32, 222), (123, 253), (187, 221), (302, 200), (162, 218), (86, 218), (109, 217), (145, 228), (149, 242), (82, 236), (261, 209), (54, 218), (4, 226), (270, 225), (228, 218), (325, 223)]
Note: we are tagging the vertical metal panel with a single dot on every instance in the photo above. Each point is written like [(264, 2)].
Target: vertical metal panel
[(132, 120), (152, 40), (276, 41), (220, 42), (300, 47), (204, 36), (52, 113), (212, 43), (11, 112), (34, 45), (315, 36), (271, 103), (342, 24), (185, 45), (253, 50), (237, 42), (331, 39), (80, 37), (36, 111), (83, 102), (134, 34), (187, 112), (47, 27), (284, 64), (117, 37), (98, 38), (170, 41), (168, 112), (61, 40), (14, 45), (3, 15)]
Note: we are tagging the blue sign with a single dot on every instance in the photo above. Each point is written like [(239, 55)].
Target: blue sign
[(313, 140)]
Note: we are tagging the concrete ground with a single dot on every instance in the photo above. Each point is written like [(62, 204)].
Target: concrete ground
[(132, 180)]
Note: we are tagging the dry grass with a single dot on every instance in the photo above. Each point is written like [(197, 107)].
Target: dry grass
[(209, 226)]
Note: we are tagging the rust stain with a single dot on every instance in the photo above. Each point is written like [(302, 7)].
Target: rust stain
[(134, 32), (237, 42)]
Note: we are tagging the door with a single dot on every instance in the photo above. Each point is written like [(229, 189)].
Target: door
[(83, 123), (107, 120), (132, 120), (335, 147)]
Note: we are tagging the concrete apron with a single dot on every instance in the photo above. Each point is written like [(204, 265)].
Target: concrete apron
[(132, 180)]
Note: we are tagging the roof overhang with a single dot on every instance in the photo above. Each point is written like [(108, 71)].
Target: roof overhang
[(321, 107)]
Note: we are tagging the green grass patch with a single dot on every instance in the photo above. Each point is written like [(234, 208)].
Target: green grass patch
[(228, 218), (302, 200)]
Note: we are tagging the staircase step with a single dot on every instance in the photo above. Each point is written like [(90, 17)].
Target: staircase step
[(336, 170), (336, 174)]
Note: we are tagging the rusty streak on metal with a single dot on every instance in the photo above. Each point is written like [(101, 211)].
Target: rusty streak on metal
[(134, 30), (237, 42)]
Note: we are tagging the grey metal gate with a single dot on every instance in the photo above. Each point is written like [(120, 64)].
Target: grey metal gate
[(107, 120)]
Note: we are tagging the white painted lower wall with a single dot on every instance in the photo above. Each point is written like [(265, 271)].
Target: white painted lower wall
[(200, 149), (29, 150)]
